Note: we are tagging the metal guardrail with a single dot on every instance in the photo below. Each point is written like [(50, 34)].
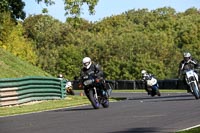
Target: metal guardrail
[(21, 90), (138, 84)]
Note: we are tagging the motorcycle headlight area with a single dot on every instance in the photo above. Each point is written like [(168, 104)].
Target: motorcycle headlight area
[(85, 77), (88, 82), (192, 78)]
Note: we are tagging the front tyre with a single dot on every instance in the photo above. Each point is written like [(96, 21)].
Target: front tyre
[(94, 101), (105, 103), (195, 89), (158, 93), (70, 91)]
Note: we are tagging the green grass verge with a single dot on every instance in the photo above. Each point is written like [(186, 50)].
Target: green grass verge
[(194, 130), (38, 106)]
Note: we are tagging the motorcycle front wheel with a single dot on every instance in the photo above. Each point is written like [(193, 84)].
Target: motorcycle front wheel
[(158, 93), (105, 103), (93, 99), (70, 91), (195, 92)]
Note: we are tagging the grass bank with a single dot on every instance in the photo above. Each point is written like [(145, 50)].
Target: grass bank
[(13, 67)]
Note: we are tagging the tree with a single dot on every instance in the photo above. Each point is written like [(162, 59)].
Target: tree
[(20, 46), (47, 33), (69, 61), (15, 7), (73, 7), (6, 26), (123, 44)]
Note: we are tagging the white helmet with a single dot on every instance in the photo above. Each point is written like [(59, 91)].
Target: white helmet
[(143, 72), (187, 56), (60, 76), (87, 62)]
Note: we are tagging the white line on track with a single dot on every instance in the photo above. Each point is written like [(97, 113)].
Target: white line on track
[(190, 128)]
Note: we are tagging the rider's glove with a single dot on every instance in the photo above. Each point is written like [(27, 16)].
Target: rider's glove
[(80, 86), (97, 80), (189, 61), (193, 62)]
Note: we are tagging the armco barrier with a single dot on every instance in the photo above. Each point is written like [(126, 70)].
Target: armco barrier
[(20, 90), (129, 84), (138, 84)]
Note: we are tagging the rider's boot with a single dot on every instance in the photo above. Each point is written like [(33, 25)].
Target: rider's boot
[(199, 84), (104, 90), (188, 89), (158, 93), (148, 90), (105, 93)]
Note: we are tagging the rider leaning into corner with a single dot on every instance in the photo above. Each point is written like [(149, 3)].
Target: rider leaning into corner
[(148, 76), (187, 63), (90, 68)]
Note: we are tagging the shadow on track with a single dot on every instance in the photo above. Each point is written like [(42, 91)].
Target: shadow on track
[(183, 97), (140, 130), (75, 109)]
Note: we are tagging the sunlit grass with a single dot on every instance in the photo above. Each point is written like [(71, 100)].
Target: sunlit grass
[(37, 106), (194, 130)]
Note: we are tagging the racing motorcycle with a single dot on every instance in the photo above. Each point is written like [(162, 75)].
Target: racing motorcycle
[(94, 92), (191, 79), (152, 86), (69, 88)]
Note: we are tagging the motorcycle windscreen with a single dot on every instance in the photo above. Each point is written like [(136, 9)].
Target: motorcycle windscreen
[(151, 82)]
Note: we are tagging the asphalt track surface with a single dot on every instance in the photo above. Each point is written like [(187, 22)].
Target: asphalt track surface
[(138, 113)]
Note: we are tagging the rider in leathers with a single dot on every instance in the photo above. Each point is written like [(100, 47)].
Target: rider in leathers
[(147, 76), (187, 63), (90, 68)]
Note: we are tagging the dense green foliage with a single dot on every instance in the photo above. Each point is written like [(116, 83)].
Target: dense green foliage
[(122, 44), (14, 7), (12, 39), (72, 7)]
